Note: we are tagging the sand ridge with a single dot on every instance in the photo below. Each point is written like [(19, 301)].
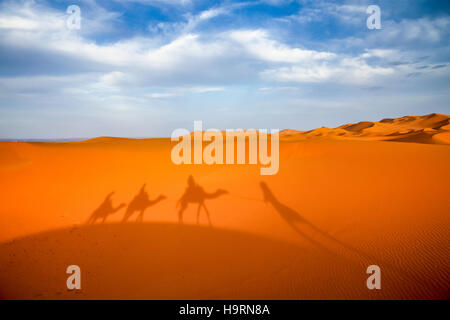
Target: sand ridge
[(336, 206), (433, 128)]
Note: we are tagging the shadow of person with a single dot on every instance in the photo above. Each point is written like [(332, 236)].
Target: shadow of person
[(140, 203), (194, 193), (294, 219), (104, 210)]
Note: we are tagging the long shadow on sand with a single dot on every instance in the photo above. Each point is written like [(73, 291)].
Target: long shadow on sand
[(173, 261), (297, 222)]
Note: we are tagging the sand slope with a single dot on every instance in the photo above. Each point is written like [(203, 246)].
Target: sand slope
[(432, 128), (166, 261), (335, 207)]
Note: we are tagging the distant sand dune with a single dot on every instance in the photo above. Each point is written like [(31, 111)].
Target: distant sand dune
[(10, 157), (417, 129)]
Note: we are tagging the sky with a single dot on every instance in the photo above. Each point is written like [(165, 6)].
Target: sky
[(143, 68)]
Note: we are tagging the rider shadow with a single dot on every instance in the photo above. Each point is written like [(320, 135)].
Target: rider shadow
[(194, 193), (140, 203), (294, 219), (104, 210)]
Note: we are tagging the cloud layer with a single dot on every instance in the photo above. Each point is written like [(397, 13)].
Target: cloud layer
[(214, 63)]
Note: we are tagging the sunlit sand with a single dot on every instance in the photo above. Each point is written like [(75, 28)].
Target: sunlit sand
[(343, 199)]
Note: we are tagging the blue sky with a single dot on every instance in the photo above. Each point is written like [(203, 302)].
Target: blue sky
[(142, 68)]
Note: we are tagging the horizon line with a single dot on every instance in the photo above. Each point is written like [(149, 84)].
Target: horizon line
[(81, 139)]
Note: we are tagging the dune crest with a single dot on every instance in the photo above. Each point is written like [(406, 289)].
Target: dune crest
[(431, 129)]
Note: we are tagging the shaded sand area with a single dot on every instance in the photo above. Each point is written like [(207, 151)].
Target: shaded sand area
[(336, 206), (167, 261)]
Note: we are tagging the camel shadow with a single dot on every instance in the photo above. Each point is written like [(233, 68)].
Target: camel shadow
[(104, 210), (194, 193), (295, 220), (140, 203)]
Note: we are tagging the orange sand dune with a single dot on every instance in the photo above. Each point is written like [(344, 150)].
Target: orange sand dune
[(336, 206), (433, 128)]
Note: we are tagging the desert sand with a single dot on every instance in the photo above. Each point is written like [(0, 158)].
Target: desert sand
[(343, 199)]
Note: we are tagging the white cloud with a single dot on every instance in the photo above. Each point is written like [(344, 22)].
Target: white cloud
[(194, 20), (205, 89), (159, 95), (181, 91), (422, 29), (380, 53), (26, 17), (344, 70), (258, 44), (346, 13)]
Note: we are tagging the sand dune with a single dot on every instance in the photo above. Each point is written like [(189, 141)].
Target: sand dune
[(166, 261), (433, 128), (10, 158), (337, 205)]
